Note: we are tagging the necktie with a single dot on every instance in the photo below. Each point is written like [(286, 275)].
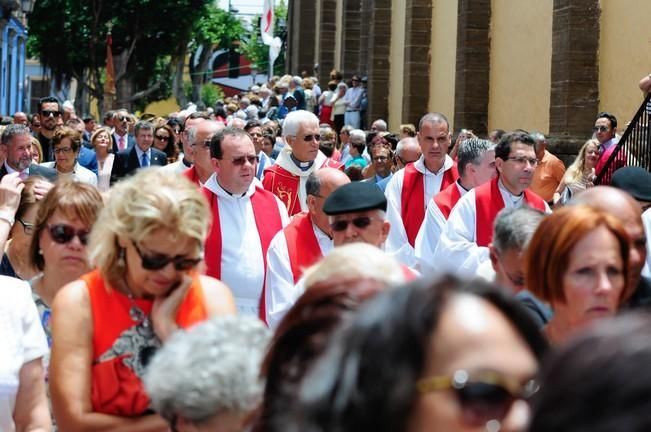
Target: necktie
[(121, 144), (144, 160)]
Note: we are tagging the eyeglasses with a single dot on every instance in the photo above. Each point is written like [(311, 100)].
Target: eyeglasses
[(381, 159), (308, 138), (48, 113), (64, 150), (28, 228), (523, 161), (63, 234), (203, 145), (162, 137), (405, 162), (240, 161), (157, 262), (255, 135), (484, 396), (360, 222), (600, 129), (123, 119)]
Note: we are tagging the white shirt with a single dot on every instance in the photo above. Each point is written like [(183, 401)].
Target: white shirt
[(281, 293), (139, 152), (175, 167), (286, 162), (429, 235), (10, 170), (242, 262), (79, 173), (457, 250), (397, 243), (22, 340), (646, 221)]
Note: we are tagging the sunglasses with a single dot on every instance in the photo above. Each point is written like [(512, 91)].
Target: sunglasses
[(484, 396), (240, 161), (600, 129), (157, 262), (63, 234), (123, 119), (162, 138), (48, 113), (308, 138), (360, 222)]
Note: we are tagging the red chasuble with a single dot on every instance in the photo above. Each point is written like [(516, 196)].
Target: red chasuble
[(447, 199), (412, 198), (191, 174), (267, 220), (302, 245), (284, 184), (488, 202)]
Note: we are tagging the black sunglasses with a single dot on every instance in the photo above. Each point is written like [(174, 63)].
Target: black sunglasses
[(308, 138), (360, 222), (48, 113), (600, 129), (240, 161), (484, 396), (162, 138), (157, 262), (63, 234)]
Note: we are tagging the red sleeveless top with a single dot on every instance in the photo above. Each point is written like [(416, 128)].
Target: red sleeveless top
[(122, 346)]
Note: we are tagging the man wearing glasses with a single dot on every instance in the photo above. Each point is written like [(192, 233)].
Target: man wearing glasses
[(298, 159), (121, 138), (49, 112), (245, 219), (463, 245), (300, 244), (604, 130), (142, 155)]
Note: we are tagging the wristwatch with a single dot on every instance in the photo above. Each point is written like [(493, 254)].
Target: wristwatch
[(7, 216)]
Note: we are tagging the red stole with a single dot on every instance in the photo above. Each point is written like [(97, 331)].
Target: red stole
[(412, 199), (447, 199), (488, 202), (618, 162), (267, 221), (191, 174), (302, 246), (284, 184)]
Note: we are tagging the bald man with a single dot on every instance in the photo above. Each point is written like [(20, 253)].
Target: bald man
[(624, 207), (300, 244)]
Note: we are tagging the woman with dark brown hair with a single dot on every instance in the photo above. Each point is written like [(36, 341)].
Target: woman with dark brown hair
[(165, 141), (66, 144)]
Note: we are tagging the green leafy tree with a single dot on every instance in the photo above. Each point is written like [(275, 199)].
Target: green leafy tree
[(256, 51), (68, 36)]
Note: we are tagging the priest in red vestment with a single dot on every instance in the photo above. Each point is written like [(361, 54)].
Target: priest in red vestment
[(199, 142), (245, 219), (476, 164), (300, 157), (463, 245), (411, 188), (300, 244)]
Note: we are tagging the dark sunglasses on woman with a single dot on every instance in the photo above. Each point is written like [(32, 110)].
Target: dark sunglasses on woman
[(62, 234)]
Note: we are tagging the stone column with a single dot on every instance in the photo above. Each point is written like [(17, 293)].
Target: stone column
[(365, 42), (473, 65), (574, 100), (379, 44), (351, 34), (418, 34), (301, 25), (325, 55)]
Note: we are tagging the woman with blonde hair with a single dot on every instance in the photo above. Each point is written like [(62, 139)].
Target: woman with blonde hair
[(580, 175), (101, 142), (146, 248)]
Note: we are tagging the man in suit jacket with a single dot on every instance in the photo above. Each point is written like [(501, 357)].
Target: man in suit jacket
[(16, 140), (382, 162), (140, 155), (121, 138)]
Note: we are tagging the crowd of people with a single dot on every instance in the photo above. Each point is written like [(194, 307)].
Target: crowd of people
[(272, 264)]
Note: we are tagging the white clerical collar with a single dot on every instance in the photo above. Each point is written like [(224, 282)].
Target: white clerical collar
[(319, 233), (213, 186), (462, 190), (513, 200), (420, 166), (285, 161)]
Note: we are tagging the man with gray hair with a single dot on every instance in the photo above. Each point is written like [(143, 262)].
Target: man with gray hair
[(208, 378), (17, 148), (199, 140), (548, 173), (407, 151), (379, 125), (476, 165), (298, 159), (300, 244), (141, 155)]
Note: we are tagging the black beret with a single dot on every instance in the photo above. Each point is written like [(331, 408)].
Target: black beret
[(355, 197), (634, 180)]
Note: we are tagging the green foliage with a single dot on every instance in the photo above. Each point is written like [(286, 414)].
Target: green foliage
[(69, 36), (210, 94), (215, 27), (256, 51)]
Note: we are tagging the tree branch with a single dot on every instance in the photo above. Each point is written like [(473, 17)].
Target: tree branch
[(83, 83), (143, 93), (123, 67)]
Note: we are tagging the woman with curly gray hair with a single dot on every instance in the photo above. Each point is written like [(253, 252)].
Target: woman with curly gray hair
[(208, 378)]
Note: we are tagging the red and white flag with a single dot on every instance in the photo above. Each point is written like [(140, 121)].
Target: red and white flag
[(267, 21)]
